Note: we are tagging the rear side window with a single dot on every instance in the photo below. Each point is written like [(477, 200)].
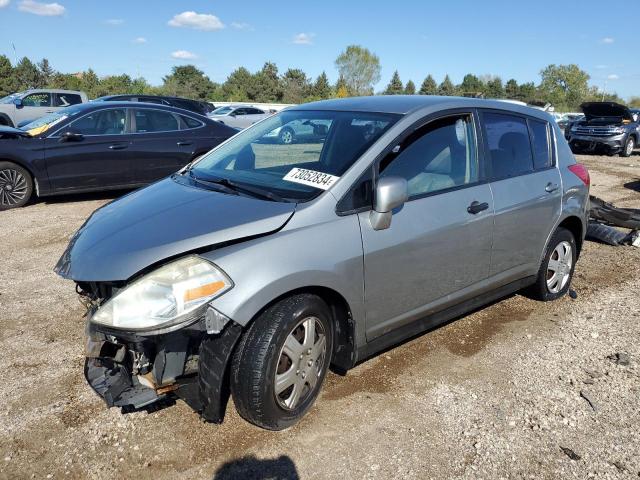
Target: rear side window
[(67, 99), (190, 122), (540, 140), (507, 138), (148, 121)]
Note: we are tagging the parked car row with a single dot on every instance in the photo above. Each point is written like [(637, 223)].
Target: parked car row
[(262, 263), (99, 146)]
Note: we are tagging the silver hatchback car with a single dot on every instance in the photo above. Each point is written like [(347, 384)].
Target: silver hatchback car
[(257, 267)]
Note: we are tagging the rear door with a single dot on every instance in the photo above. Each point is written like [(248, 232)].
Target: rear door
[(161, 145), (526, 188), (66, 99), (98, 158), (438, 247)]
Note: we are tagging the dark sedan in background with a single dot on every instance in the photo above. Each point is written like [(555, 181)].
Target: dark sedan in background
[(101, 146), (197, 106)]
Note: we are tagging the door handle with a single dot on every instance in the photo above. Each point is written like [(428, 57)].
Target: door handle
[(184, 143), (551, 187), (477, 207), (117, 146)]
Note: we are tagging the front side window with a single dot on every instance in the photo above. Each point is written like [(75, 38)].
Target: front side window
[(101, 122), (40, 99), (440, 156), (540, 141), (507, 138), (67, 99), (148, 121), (258, 157)]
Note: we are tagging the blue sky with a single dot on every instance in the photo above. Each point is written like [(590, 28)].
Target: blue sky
[(510, 38)]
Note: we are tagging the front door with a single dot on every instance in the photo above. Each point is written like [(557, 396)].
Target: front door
[(34, 106), (98, 157), (438, 247)]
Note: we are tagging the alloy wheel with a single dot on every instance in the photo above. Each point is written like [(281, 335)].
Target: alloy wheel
[(286, 137), (559, 267), (13, 187), (630, 146), (300, 363)]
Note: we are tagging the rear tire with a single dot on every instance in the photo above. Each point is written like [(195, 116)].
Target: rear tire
[(286, 136), (16, 186), (629, 146), (281, 360), (556, 271)]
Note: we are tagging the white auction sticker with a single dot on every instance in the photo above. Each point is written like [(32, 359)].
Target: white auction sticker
[(311, 178)]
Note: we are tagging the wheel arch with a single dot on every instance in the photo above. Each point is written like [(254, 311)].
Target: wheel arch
[(574, 225), (343, 357), (27, 167), (7, 119)]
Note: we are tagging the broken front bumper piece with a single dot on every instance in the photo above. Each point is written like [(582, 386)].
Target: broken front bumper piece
[(135, 371), (603, 217)]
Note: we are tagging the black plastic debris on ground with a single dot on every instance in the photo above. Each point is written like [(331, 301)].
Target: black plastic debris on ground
[(604, 217), (571, 454)]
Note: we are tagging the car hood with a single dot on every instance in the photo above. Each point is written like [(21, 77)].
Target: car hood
[(10, 132), (606, 109), (159, 222)]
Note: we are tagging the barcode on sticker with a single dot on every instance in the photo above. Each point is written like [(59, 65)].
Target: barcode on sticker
[(311, 178)]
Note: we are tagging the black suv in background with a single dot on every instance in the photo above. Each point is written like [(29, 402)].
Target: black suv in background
[(607, 127), (197, 106)]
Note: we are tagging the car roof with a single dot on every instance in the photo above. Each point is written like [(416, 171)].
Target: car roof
[(404, 104), (52, 90), (120, 103), (167, 97)]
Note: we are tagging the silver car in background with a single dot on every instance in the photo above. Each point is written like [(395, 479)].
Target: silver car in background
[(253, 270), (238, 116)]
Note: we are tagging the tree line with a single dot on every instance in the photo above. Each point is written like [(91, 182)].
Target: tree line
[(564, 86)]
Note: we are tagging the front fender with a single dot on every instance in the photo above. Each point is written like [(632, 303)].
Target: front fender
[(327, 254)]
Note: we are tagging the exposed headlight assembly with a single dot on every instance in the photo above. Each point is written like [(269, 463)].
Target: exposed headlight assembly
[(173, 294)]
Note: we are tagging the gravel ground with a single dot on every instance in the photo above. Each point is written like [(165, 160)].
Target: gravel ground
[(520, 389)]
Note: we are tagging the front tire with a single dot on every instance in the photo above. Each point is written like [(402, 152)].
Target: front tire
[(16, 186), (281, 361), (556, 271), (629, 146), (286, 136)]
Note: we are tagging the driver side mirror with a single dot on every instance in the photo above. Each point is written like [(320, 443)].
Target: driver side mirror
[(18, 103), (70, 136), (391, 193)]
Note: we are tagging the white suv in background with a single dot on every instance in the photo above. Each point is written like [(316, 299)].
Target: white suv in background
[(238, 116), (23, 107)]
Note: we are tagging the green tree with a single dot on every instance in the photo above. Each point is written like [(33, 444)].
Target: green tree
[(267, 86), (321, 88), (527, 92), (410, 88), (360, 69), (341, 88), (471, 86), (46, 72), (90, 83), (565, 86), (27, 74), (114, 84), (296, 86), (66, 81), (511, 89), (429, 86), (395, 86), (446, 87), (634, 102), (237, 86), (187, 81), (7, 79), (494, 88)]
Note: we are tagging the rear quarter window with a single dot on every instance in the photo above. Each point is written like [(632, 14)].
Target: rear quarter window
[(190, 122), (509, 148), (541, 145)]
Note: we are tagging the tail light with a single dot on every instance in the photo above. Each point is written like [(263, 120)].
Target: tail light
[(581, 172)]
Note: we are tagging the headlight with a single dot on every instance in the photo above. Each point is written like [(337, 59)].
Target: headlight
[(173, 294), (618, 130)]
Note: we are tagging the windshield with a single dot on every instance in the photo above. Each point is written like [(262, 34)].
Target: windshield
[(43, 124), (10, 98), (221, 111), (295, 154)]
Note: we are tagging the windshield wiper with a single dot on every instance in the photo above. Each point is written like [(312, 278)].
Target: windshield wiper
[(240, 188)]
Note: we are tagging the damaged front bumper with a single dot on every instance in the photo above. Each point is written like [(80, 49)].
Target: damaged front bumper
[(585, 143), (136, 371)]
